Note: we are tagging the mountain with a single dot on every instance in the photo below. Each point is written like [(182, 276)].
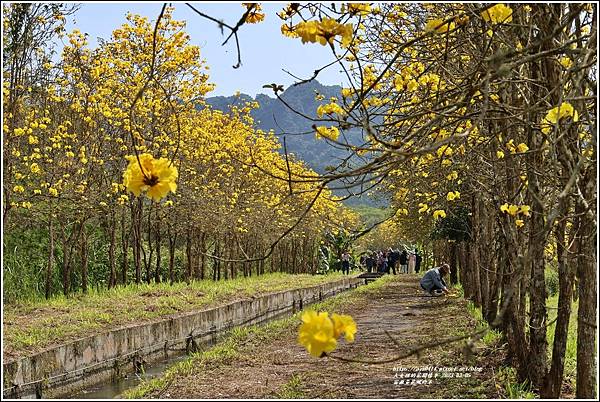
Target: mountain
[(273, 114)]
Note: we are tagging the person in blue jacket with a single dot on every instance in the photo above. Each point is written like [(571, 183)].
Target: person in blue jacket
[(433, 281)]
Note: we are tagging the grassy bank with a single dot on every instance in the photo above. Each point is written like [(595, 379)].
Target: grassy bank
[(32, 326), (507, 376)]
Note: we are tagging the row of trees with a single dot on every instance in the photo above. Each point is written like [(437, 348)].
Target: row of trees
[(479, 123), (69, 125)]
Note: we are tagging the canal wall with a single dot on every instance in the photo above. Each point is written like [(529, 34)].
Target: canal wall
[(61, 370)]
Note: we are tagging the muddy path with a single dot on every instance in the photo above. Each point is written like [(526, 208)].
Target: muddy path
[(280, 368)]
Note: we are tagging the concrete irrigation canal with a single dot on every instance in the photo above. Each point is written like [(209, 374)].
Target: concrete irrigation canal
[(106, 364)]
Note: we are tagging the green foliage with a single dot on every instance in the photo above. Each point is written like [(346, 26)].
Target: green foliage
[(24, 265), (370, 215), (512, 388), (492, 336), (552, 285), (455, 226)]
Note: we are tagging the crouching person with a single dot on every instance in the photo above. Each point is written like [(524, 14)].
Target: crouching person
[(433, 281)]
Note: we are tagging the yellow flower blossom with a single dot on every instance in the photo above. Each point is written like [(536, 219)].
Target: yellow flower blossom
[(565, 62), (439, 213), (453, 196), (522, 148), (423, 207), (122, 199), (343, 324), (524, 210), (498, 14), (519, 223), (554, 115), (452, 176), (359, 8), (288, 31), (53, 192), (436, 24), (330, 108), (324, 31), (18, 189), (323, 132), (35, 168), (255, 15), (500, 154), (156, 180), (316, 333)]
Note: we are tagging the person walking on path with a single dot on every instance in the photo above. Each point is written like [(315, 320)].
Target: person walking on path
[(418, 261), (403, 262), (412, 262), (433, 281), (370, 262), (391, 254), (346, 263)]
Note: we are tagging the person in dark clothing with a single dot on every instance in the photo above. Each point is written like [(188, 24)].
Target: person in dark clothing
[(403, 259), (433, 281), (418, 262), (392, 261), (370, 261), (346, 263)]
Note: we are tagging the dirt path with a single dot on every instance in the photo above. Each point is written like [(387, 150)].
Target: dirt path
[(280, 368)]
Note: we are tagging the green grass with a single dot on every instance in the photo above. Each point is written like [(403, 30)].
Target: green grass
[(32, 325), (292, 389), (513, 389), (491, 337), (248, 338)]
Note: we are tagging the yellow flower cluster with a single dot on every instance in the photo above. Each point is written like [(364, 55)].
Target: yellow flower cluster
[(498, 14), (359, 8), (319, 333), (330, 109), (554, 115), (565, 62), (515, 210), (437, 25), (510, 145), (155, 177), (323, 132), (453, 195), (324, 31), (439, 213), (255, 15)]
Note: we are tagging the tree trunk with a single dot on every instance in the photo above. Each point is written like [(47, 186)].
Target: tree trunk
[(172, 240), (112, 280), (554, 378), (586, 273), (48, 288), (124, 249), (157, 272), (188, 254), (84, 261), (202, 254)]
